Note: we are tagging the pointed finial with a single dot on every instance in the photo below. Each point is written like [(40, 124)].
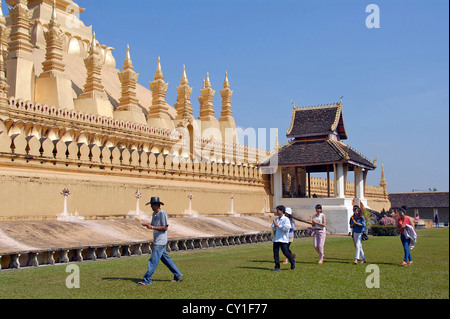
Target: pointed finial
[(277, 145), (207, 82), (184, 79), (53, 18), (383, 180), (226, 84), (128, 53), (127, 63), (93, 45), (158, 73)]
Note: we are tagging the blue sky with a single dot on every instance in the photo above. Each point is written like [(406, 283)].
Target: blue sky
[(394, 79)]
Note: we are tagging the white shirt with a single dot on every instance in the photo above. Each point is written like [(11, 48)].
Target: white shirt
[(282, 231)]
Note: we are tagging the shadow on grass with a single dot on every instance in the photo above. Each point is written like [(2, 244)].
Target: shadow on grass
[(262, 261), (135, 280), (262, 268), (327, 260), (299, 262)]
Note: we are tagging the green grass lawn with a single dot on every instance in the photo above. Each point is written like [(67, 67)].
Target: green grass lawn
[(243, 271)]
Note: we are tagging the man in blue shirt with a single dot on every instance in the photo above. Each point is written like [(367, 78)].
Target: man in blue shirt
[(159, 225), (280, 227)]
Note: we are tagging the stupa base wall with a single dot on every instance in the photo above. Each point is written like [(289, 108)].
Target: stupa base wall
[(36, 194)]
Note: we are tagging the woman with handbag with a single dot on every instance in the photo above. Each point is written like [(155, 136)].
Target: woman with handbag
[(358, 224), (402, 221), (319, 223)]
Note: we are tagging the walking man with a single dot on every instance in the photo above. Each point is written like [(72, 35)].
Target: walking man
[(280, 227), (159, 225)]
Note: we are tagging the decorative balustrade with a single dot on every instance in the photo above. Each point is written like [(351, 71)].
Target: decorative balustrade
[(319, 186), (90, 150), (54, 256), (74, 115)]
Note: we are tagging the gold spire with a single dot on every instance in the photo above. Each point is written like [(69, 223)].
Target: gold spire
[(184, 80), (226, 84), (93, 46), (207, 83), (206, 100), (383, 183), (94, 63), (53, 18), (158, 73), (20, 52), (277, 144), (20, 20), (159, 88), (383, 180), (226, 94), (128, 65), (183, 103), (54, 38), (128, 78)]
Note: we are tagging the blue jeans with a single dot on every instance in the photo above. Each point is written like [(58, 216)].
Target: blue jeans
[(159, 253), (359, 254), (406, 243)]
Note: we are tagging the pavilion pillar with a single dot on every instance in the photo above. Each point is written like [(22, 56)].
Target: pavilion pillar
[(359, 183), (328, 180), (277, 186), (302, 182), (340, 180)]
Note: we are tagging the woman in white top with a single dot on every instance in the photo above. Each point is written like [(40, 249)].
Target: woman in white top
[(319, 232)]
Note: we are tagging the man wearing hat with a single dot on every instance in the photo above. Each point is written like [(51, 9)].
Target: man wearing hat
[(159, 225)]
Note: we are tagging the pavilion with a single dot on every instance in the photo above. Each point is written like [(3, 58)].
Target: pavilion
[(316, 147)]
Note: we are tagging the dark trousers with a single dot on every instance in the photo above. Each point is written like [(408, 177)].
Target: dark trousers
[(284, 250)]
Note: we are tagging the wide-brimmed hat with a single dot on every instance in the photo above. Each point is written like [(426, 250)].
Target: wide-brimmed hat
[(154, 200), (288, 211)]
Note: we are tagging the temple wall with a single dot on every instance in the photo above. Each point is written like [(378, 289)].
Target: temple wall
[(103, 161), (36, 194)]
